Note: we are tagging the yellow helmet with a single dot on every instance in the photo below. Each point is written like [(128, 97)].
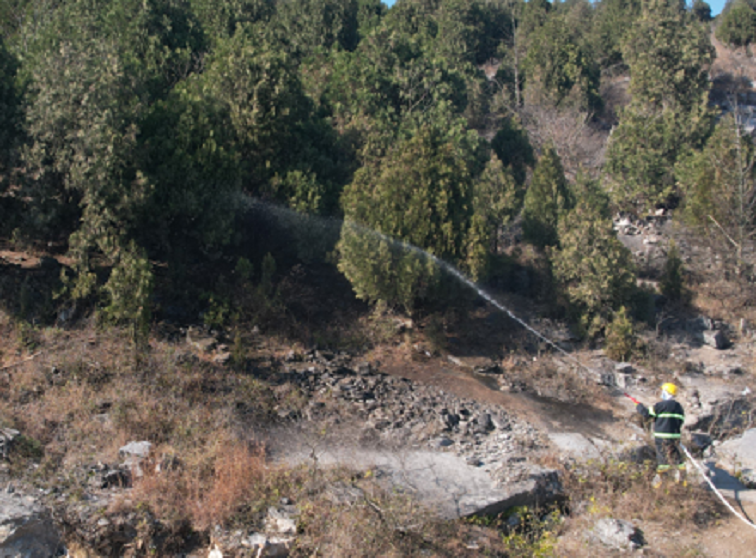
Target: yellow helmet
[(670, 389)]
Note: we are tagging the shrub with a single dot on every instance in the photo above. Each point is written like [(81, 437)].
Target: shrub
[(620, 337)]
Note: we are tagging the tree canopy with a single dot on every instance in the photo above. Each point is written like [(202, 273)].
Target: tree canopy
[(135, 132)]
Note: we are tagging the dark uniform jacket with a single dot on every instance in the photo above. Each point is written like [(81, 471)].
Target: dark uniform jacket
[(669, 417)]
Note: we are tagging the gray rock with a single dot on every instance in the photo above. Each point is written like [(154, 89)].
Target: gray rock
[(617, 534), (6, 439), (222, 358), (133, 454), (716, 339), (739, 454), (574, 444), (268, 547), (26, 528), (700, 441), (282, 520), (748, 478), (135, 449), (699, 324)]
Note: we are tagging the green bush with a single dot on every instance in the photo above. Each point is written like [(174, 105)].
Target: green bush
[(620, 337)]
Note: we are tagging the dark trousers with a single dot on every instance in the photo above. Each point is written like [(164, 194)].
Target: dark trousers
[(668, 454)]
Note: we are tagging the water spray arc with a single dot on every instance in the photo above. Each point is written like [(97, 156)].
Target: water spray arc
[(327, 222), (324, 223)]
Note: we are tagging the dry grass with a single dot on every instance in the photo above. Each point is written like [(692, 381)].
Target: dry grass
[(226, 482), (622, 489)]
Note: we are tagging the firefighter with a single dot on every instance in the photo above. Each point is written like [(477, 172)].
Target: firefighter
[(668, 417)]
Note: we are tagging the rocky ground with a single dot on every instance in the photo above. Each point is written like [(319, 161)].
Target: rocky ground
[(453, 451), (454, 432)]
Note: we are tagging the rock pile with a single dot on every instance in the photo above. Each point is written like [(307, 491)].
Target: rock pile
[(398, 412)]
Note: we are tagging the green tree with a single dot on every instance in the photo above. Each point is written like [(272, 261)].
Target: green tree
[(309, 25), (612, 19), (96, 71), (738, 25), (592, 267), (10, 132), (621, 339), (512, 147), (719, 183), (256, 82), (669, 53), (420, 194), (220, 18), (672, 282), (10, 110), (498, 198), (558, 69), (702, 11), (546, 199), (469, 32), (188, 212)]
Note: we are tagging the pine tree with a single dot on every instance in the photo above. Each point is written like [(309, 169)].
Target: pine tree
[(547, 197), (418, 197), (719, 183), (498, 198), (738, 24), (592, 267), (669, 53)]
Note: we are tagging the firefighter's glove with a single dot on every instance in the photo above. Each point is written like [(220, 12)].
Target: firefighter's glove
[(641, 408)]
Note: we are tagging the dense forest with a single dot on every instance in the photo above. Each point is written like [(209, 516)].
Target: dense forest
[(139, 136)]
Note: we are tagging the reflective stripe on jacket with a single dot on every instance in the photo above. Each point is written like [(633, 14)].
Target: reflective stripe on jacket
[(668, 418)]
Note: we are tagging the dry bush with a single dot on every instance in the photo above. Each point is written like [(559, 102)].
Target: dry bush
[(578, 140), (240, 476), (215, 486), (615, 488)]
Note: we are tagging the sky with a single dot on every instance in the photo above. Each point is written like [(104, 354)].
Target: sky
[(716, 5)]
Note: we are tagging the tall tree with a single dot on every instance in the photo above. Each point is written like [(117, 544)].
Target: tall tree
[(546, 199), (612, 19), (738, 24), (592, 267), (559, 69), (10, 110), (10, 131), (669, 54), (421, 194), (308, 25), (95, 70), (719, 183), (220, 18), (498, 198)]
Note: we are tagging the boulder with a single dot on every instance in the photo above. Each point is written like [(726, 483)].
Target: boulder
[(748, 478), (282, 520), (716, 339), (616, 534), (133, 454), (574, 445), (26, 528), (739, 454)]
